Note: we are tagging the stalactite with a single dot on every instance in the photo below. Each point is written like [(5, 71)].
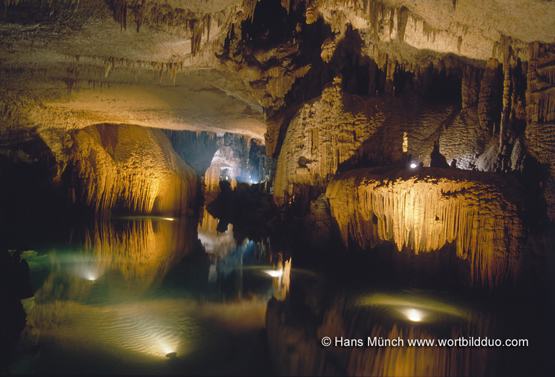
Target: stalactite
[(207, 20), (286, 4), (249, 6), (402, 16), (139, 14), (424, 210), (120, 12), (89, 64), (70, 83), (198, 29), (389, 82)]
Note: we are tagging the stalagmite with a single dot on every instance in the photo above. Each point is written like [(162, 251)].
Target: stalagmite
[(424, 210)]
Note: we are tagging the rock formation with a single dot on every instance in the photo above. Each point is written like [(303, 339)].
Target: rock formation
[(423, 210), (122, 168), (540, 114), (338, 131), (325, 87)]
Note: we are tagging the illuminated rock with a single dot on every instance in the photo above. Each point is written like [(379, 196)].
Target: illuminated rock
[(461, 28), (423, 210), (123, 168), (540, 114), (338, 131), (324, 134), (129, 62)]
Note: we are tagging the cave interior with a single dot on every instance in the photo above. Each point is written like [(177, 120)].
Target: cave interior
[(267, 174)]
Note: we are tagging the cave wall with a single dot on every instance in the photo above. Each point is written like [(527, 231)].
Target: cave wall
[(122, 168), (339, 131), (540, 115)]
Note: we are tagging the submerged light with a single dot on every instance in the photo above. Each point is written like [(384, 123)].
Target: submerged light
[(414, 315), (274, 273), (413, 165)]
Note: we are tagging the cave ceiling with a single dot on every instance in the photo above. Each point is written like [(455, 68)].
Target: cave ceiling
[(202, 65)]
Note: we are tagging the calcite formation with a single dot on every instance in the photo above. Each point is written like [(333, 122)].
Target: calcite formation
[(325, 133), (123, 168), (459, 27), (338, 131), (424, 209), (540, 115), (86, 67)]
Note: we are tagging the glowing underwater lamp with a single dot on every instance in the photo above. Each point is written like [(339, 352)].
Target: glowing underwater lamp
[(414, 315), (274, 273)]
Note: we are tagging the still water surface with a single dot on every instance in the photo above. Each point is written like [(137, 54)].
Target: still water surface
[(120, 295), (116, 297)]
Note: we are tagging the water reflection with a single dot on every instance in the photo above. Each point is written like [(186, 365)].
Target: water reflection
[(105, 304), (413, 305), (226, 254), (133, 254)]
